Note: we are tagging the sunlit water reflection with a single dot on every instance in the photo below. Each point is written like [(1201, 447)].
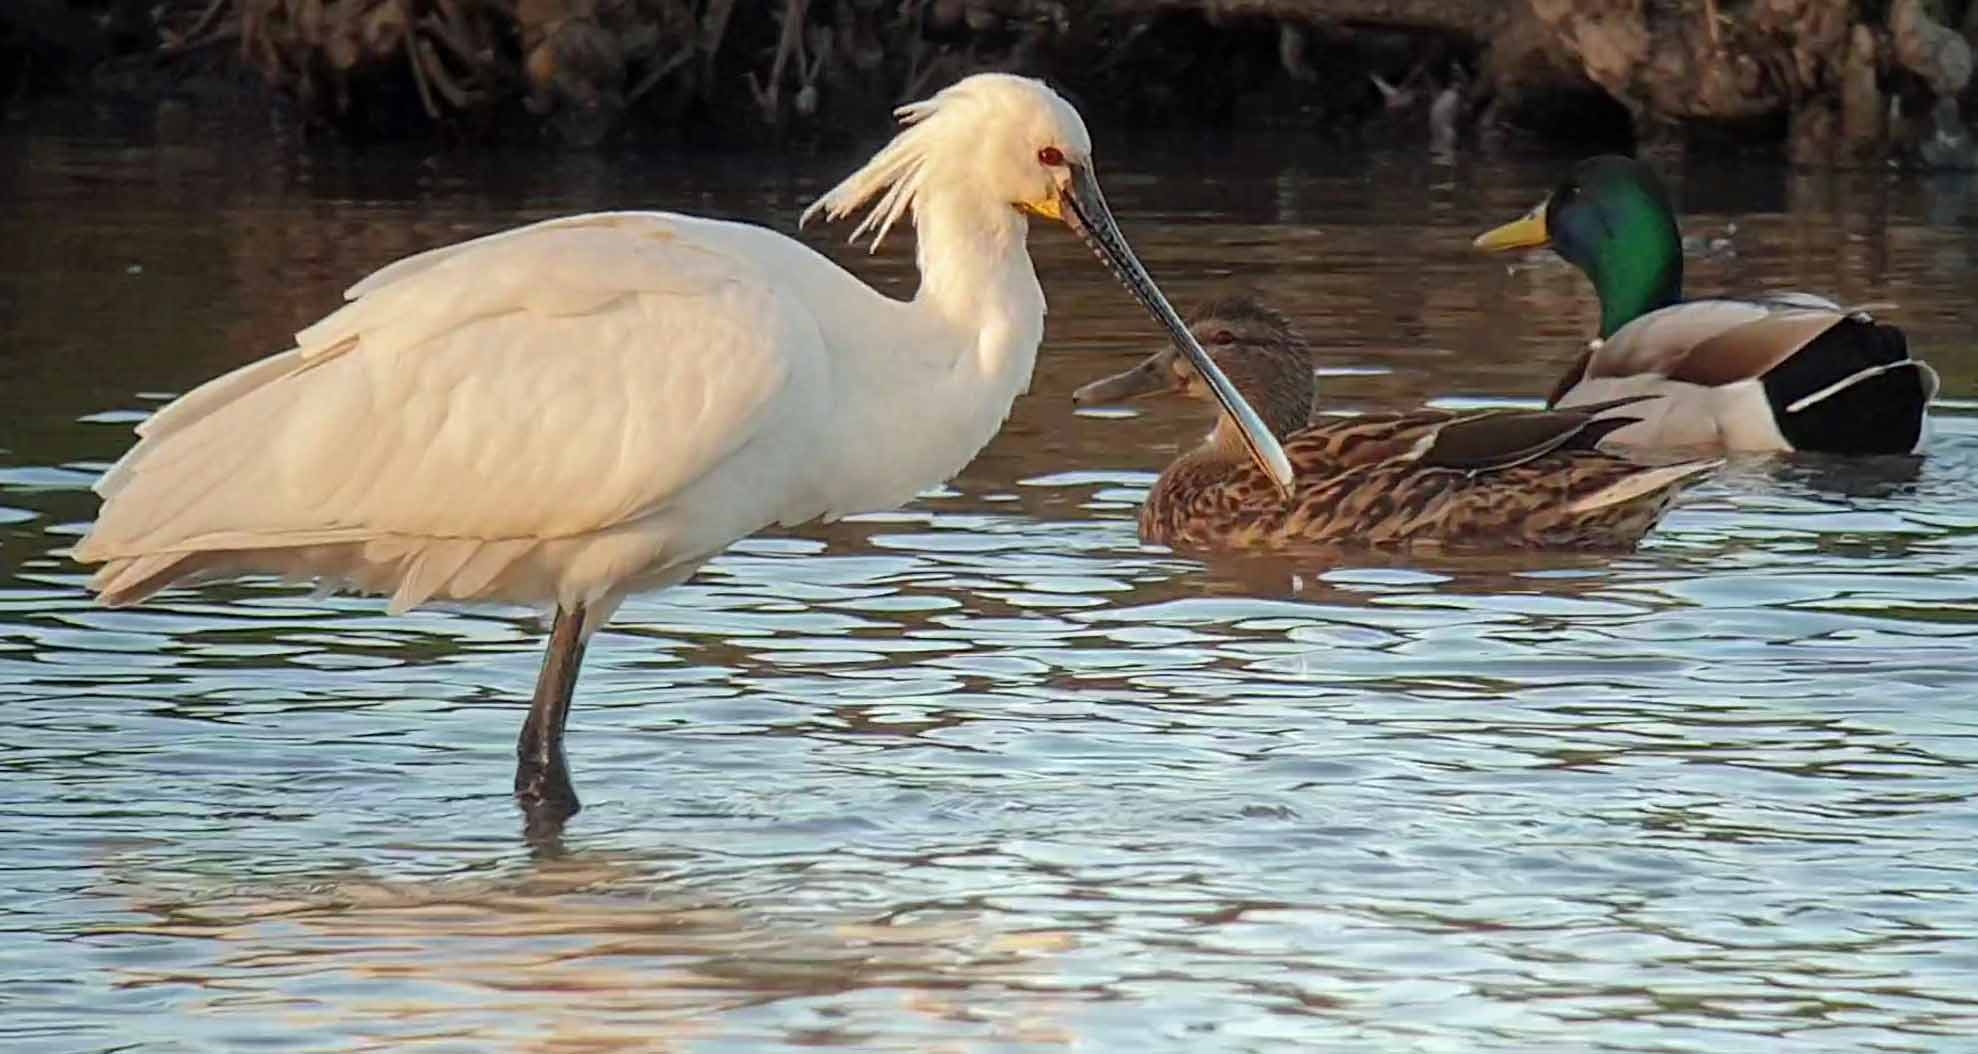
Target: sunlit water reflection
[(986, 774)]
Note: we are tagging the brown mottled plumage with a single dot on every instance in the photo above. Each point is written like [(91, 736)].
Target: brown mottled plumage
[(1519, 479)]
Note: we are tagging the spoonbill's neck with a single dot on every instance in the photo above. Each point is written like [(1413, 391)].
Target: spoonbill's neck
[(950, 375), (975, 268), (980, 292)]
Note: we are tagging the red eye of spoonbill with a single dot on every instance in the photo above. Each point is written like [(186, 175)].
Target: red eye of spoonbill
[(1051, 156)]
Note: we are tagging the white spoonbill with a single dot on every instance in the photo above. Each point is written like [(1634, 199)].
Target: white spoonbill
[(576, 410)]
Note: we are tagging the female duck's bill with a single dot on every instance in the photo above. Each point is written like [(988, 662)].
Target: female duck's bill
[(1269, 363), (1083, 208)]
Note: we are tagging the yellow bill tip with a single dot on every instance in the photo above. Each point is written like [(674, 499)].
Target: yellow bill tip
[(1525, 232)]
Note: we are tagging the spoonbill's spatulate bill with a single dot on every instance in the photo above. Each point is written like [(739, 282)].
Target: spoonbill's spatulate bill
[(588, 407)]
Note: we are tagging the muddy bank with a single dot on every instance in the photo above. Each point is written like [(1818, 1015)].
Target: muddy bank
[(1826, 81)]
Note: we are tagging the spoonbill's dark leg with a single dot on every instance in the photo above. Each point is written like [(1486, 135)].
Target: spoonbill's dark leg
[(542, 780)]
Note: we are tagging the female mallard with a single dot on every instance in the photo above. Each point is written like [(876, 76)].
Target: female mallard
[(1522, 478), (1781, 371)]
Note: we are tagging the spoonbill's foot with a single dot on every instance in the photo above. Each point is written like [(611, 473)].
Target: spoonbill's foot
[(542, 785)]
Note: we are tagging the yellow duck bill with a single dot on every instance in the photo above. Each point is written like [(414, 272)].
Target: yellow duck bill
[(1525, 232)]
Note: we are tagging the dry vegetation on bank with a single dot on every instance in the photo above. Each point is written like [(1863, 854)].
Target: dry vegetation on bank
[(1835, 81)]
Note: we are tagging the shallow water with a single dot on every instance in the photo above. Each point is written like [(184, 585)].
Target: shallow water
[(986, 774)]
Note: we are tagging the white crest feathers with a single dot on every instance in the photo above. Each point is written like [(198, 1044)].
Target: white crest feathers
[(900, 169), (940, 132)]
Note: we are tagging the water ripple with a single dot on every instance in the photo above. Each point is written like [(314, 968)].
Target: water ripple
[(986, 773)]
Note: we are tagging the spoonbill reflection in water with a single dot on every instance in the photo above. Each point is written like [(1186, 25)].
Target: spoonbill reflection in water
[(588, 407)]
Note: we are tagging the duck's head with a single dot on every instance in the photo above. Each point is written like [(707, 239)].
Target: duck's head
[(1256, 347), (1611, 218)]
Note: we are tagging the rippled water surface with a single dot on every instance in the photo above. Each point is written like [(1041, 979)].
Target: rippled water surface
[(985, 774)]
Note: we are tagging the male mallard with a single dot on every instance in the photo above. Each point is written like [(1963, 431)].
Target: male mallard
[(1522, 478), (1781, 371)]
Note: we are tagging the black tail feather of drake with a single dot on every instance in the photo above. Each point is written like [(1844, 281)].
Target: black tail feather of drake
[(1852, 390)]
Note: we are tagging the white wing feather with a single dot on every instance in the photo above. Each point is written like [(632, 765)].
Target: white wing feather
[(544, 383)]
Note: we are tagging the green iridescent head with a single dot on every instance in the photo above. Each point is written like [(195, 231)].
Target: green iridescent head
[(1611, 218)]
